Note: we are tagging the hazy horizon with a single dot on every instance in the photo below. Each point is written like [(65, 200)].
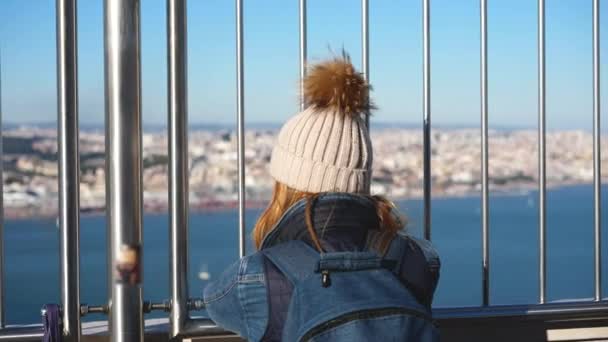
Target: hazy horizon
[(277, 125)]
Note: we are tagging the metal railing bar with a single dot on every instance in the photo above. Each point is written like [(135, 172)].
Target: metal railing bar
[(303, 50), (124, 168), (2, 316), (580, 310), (178, 159), (365, 45), (193, 327), (597, 171), (485, 227), (240, 122), (542, 214), (202, 327), (69, 166), (28, 333), (571, 310), (426, 110)]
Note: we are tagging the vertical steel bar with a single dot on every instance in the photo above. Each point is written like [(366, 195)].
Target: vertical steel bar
[(2, 320), (69, 166), (597, 173), (123, 168), (178, 160), (240, 121), (426, 110), (303, 51), (484, 156), (365, 44), (541, 152)]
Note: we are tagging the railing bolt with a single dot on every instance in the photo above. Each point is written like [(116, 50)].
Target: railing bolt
[(196, 304), (86, 309), (148, 306)]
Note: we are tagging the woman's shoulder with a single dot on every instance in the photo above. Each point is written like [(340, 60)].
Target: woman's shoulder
[(240, 291), (246, 269)]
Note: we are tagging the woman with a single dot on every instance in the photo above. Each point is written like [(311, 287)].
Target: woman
[(332, 263)]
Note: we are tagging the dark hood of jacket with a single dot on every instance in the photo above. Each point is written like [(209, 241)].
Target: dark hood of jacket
[(342, 222)]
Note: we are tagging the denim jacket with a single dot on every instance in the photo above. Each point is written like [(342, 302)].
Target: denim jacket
[(252, 296)]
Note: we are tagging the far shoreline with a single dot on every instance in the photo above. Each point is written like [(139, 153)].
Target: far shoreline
[(37, 213)]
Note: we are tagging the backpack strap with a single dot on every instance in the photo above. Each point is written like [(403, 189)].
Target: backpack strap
[(396, 250), (416, 264), (295, 259), (394, 253)]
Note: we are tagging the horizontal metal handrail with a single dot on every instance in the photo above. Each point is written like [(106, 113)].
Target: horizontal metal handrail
[(566, 310), (26, 333), (195, 327), (570, 311)]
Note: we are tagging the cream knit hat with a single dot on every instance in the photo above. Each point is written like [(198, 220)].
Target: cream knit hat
[(327, 146)]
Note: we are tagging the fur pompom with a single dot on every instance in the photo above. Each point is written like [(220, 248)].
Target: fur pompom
[(335, 84)]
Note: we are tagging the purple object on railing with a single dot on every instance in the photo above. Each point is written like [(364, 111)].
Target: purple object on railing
[(52, 323)]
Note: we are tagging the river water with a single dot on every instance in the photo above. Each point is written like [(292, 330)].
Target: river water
[(32, 263)]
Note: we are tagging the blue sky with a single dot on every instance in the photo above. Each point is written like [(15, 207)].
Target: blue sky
[(27, 42)]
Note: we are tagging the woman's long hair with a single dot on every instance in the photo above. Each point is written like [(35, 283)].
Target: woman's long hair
[(284, 197)]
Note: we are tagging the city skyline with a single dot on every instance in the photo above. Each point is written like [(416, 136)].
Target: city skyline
[(30, 161)]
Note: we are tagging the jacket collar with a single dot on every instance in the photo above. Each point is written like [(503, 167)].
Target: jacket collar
[(341, 220)]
